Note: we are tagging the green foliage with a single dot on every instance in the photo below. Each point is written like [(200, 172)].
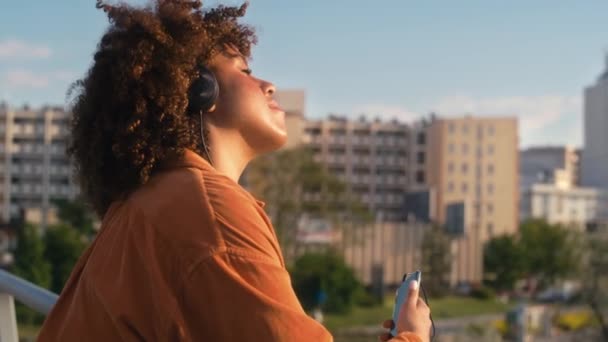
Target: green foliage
[(75, 214), (289, 181), (503, 262), (436, 262), (63, 248), (595, 279), (326, 272), (542, 250), (483, 292), (550, 251), (30, 265)]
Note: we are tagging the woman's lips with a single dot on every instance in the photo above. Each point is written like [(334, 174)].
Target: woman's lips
[(275, 106)]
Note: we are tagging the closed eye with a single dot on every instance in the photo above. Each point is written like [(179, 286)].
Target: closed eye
[(247, 71)]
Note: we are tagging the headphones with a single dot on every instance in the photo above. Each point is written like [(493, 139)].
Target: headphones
[(202, 95)]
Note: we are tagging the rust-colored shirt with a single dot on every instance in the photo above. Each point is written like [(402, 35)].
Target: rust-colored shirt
[(190, 256)]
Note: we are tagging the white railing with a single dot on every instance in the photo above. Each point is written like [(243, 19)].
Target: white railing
[(35, 297)]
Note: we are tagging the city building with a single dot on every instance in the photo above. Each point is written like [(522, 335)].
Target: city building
[(34, 168), (473, 168), (471, 174), (460, 173), (570, 206), (555, 164), (371, 157), (549, 187), (595, 154)]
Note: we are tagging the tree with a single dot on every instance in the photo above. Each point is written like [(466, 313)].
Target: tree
[(550, 251), (30, 265), (436, 261), (63, 246), (503, 262), (595, 279), (292, 184), (75, 214), (327, 273)]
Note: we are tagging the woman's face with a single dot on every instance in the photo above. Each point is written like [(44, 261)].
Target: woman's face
[(246, 104)]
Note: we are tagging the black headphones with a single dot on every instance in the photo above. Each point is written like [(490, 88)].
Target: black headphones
[(202, 95)]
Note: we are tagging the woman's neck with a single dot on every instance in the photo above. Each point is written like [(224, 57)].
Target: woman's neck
[(229, 153)]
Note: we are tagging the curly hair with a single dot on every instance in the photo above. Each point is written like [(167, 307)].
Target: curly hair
[(130, 111)]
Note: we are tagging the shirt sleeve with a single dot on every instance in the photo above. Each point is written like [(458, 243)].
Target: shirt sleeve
[(406, 337), (233, 296)]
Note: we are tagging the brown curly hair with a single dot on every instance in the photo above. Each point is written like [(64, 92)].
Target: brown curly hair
[(130, 112)]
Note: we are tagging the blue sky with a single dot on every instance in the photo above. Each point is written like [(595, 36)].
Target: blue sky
[(391, 58)]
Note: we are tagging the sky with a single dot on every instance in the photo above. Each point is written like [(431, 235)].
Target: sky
[(385, 58)]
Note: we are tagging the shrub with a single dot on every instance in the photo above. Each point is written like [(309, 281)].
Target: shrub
[(326, 273), (483, 292)]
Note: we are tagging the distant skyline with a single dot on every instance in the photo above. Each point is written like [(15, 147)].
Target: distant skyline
[(391, 58)]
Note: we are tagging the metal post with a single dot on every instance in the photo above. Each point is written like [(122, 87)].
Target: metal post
[(8, 319)]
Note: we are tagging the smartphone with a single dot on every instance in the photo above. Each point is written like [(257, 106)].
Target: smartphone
[(401, 295)]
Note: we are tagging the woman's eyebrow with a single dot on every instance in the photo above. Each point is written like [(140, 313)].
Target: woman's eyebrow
[(234, 55)]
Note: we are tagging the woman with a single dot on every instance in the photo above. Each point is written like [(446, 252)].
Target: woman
[(164, 123)]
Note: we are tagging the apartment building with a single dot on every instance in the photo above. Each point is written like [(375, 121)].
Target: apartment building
[(371, 157), (34, 168), (549, 186), (473, 166), (471, 172)]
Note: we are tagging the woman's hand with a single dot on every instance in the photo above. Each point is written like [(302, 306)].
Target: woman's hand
[(415, 316)]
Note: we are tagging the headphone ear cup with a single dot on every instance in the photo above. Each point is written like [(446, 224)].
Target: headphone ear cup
[(203, 91)]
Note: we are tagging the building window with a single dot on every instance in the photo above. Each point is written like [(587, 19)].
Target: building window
[(465, 148), (451, 148), (465, 129), (490, 169), (420, 157), (421, 138), (450, 167), (490, 188), (491, 130), (420, 177), (451, 127), (490, 229), (464, 168), (450, 187), (490, 149), (464, 188), (490, 208)]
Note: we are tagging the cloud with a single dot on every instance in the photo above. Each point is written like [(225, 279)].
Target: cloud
[(14, 49), (386, 112), (26, 79), (534, 112), (22, 78), (542, 119)]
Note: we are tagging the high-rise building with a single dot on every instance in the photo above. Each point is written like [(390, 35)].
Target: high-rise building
[(34, 168), (595, 154), (371, 157), (471, 174), (473, 165)]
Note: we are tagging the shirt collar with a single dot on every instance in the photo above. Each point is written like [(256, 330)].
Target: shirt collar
[(191, 159)]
